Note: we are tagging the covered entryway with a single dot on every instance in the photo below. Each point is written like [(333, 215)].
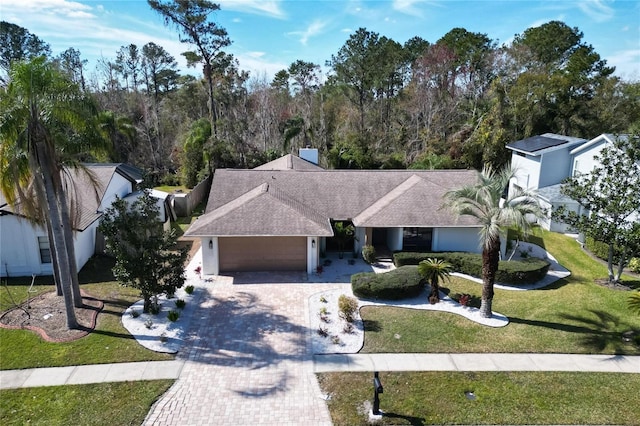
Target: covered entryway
[(245, 254)]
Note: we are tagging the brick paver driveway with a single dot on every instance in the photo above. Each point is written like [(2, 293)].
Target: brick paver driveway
[(248, 360)]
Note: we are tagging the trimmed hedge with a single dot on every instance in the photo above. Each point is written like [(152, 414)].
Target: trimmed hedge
[(525, 271), (401, 283)]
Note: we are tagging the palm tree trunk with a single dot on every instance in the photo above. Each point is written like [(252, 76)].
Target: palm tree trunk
[(434, 297), (490, 259), (59, 243), (68, 237), (54, 259)]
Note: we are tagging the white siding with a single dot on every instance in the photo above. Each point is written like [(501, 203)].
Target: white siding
[(555, 167), (583, 161), (456, 239), (527, 170), (117, 186), (19, 251)]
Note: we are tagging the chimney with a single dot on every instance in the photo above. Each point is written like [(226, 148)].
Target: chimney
[(309, 154)]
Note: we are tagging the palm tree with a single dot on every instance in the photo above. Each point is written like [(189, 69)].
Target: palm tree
[(46, 121), (483, 201), (634, 302), (435, 270)]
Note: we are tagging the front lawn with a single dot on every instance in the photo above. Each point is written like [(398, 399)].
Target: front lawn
[(574, 315), (109, 342), (418, 398), (125, 403)]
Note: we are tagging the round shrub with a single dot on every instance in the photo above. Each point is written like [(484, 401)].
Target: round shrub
[(521, 271), (401, 283), (634, 264), (369, 254)]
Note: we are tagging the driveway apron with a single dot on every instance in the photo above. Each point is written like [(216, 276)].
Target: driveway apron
[(248, 359)]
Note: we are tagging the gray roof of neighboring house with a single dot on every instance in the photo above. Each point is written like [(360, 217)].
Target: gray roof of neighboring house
[(289, 162), (605, 137), (375, 198), (536, 145), (553, 194), (85, 191)]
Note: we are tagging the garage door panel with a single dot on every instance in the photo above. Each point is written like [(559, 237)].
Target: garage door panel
[(262, 253)]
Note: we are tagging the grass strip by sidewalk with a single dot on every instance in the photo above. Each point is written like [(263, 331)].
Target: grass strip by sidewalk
[(416, 398), (123, 403)]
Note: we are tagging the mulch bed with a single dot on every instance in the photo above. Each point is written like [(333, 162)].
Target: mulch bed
[(613, 286), (45, 315)]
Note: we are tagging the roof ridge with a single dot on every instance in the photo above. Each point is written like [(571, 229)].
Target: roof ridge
[(386, 199), (300, 207)]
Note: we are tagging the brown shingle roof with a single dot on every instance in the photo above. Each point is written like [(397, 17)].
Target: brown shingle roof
[(289, 162), (376, 198), (264, 211)]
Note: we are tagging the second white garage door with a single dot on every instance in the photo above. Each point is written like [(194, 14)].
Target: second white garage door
[(239, 254)]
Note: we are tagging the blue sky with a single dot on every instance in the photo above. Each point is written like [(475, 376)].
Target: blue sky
[(269, 35)]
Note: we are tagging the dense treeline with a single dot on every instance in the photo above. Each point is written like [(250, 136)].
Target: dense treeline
[(452, 103)]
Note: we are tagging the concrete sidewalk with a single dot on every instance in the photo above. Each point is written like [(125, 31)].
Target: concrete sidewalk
[(95, 373), (476, 362), (156, 370)]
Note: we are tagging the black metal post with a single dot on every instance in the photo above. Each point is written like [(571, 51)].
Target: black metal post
[(377, 389)]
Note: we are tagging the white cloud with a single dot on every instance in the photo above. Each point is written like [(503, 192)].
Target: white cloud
[(627, 63), (412, 7), (598, 10), (313, 29), (259, 7), (64, 8)]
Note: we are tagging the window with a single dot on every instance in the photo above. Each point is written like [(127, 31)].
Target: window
[(45, 252), (417, 239)]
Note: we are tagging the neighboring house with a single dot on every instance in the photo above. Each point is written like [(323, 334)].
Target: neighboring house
[(24, 247), (543, 162), (278, 216), (163, 202)]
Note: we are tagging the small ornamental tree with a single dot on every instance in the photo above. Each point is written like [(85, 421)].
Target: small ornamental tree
[(610, 194), (146, 256), (435, 270)]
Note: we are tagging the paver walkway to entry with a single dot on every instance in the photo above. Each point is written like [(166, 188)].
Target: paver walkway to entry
[(248, 361)]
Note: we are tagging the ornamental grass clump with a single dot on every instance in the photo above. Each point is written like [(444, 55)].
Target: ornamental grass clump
[(347, 306)]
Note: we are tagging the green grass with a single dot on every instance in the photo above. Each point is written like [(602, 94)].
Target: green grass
[(418, 398), (125, 403), (173, 188), (574, 315), (109, 342)]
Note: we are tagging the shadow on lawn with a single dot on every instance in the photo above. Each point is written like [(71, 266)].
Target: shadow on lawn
[(372, 325), (415, 421), (597, 329)]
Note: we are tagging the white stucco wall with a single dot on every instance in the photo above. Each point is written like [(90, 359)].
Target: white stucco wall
[(313, 254), (456, 239), (360, 239), (210, 260), (394, 238)]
